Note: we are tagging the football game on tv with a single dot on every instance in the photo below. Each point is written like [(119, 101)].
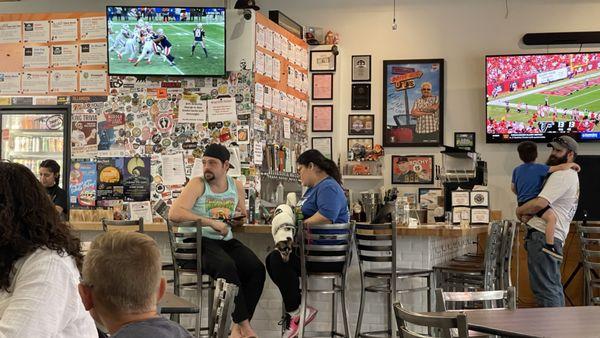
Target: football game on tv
[(541, 96), (179, 41)]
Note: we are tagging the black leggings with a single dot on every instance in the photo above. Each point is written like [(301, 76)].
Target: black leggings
[(286, 276), (237, 264)]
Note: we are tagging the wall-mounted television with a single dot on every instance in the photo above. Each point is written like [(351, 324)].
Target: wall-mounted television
[(173, 41), (538, 97)]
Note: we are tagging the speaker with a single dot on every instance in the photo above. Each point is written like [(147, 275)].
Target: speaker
[(561, 38)]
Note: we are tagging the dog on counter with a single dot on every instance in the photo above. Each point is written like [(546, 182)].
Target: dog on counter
[(283, 229)]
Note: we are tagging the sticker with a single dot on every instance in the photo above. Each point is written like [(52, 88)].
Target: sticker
[(156, 138), (164, 105), (166, 142), (189, 145), (164, 123), (136, 132)]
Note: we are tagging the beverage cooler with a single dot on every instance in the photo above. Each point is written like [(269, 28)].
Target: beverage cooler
[(30, 136)]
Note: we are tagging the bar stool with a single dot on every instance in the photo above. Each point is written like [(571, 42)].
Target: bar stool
[(133, 225), (376, 244), (589, 236), (327, 244), (185, 239), (222, 308)]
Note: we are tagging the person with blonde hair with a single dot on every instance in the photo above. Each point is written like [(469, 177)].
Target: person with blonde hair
[(122, 284), (426, 110)]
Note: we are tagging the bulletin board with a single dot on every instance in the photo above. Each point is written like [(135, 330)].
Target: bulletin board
[(53, 54)]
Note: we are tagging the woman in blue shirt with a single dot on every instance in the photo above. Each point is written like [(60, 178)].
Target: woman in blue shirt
[(324, 202)]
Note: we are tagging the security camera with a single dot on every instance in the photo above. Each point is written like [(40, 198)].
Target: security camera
[(247, 14), (334, 50)]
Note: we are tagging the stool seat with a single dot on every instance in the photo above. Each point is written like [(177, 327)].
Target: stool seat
[(400, 272)]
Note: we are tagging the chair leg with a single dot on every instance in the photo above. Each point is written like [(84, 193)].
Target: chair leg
[(361, 308), (345, 308), (333, 309), (389, 308), (303, 307)]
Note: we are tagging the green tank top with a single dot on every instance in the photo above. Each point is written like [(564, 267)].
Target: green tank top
[(217, 205)]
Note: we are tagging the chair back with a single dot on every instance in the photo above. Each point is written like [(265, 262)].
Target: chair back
[(326, 243), (491, 256), (222, 308), (589, 237), (134, 225), (376, 246), (498, 299), (185, 241), (508, 239), (456, 322)]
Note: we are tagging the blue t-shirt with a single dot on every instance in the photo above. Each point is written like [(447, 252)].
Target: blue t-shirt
[(528, 179), (328, 198)]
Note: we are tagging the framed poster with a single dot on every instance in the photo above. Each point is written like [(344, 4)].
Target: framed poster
[(323, 144), (417, 169), (430, 196), (322, 86), (361, 68), (322, 118), (361, 96), (358, 147), (413, 103), (464, 140), (361, 124), (322, 60)]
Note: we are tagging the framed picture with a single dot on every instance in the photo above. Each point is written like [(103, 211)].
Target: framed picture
[(416, 169), (322, 60), (461, 213), (480, 215), (464, 140), (413, 103), (430, 196), (358, 147), (361, 96), (362, 124), (323, 144), (361, 68), (322, 118), (460, 198), (480, 198), (322, 86)]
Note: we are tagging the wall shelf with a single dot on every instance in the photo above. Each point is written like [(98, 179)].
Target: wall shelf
[(361, 177)]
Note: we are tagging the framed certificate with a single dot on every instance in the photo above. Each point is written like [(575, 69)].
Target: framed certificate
[(461, 214), (480, 216), (361, 68), (323, 144), (322, 118), (460, 198), (322, 60), (322, 86), (480, 198)]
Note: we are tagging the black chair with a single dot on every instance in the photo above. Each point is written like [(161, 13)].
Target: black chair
[(440, 323), (376, 247), (134, 225)]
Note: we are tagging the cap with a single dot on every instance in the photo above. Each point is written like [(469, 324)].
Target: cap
[(564, 142), (218, 151)]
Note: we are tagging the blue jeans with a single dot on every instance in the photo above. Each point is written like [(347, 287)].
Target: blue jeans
[(544, 270)]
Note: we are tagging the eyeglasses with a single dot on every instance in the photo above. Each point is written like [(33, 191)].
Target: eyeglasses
[(427, 89)]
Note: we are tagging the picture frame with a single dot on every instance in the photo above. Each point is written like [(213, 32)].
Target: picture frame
[(361, 68), (413, 169), (465, 140), (322, 86), (480, 215), (461, 213), (355, 143), (361, 124), (324, 145), (430, 196), (322, 61), (460, 198), (480, 198), (413, 98), (361, 96), (322, 118)]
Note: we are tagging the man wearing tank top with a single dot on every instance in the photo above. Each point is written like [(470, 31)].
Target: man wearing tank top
[(215, 200)]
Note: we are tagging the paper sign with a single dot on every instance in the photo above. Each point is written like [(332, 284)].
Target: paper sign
[(268, 97), (268, 66), (258, 152), (140, 209), (36, 31), (10, 83), (260, 35), (198, 168), (259, 92), (36, 57), (92, 53), (221, 109), (275, 104), (84, 135), (192, 112), (35, 82), (260, 62), (276, 69), (10, 32), (268, 39), (92, 81), (93, 28), (63, 81), (173, 171), (63, 30), (64, 56), (287, 133)]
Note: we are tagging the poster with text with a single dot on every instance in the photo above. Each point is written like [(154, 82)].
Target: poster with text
[(92, 54), (416, 169), (64, 56), (10, 32), (63, 81), (136, 183), (36, 57), (84, 130), (34, 82), (110, 180), (92, 28), (63, 30), (92, 81), (10, 83), (36, 31), (82, 184), (111, 134)]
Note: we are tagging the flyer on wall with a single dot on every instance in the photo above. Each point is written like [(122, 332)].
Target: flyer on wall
[(36, 31), (35, 82), (92, 54), (82, 183), (10, 32), (92, 81), (63, 81), (110, 180), (63, 30), (84, 140), (64, 56), (92, 28), (139, 210), (111, 134), (10, 83), (136, 179), (36, 57)]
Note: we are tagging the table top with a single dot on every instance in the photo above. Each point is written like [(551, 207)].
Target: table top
[(423, 230), (170, 303), (563, 322)]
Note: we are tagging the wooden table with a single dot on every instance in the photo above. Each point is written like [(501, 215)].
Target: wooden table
[(170, 303), (564, 322)]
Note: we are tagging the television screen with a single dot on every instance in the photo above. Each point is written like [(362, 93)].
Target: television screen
[(541, 96), (175, 41)]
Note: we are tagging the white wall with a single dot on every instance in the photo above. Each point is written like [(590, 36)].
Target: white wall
[(44, 6), (460, 31)]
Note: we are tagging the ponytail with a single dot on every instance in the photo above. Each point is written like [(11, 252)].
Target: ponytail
[(328, 166)]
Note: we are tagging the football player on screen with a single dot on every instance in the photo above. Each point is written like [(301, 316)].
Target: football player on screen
[(161, 40), (199, 37)]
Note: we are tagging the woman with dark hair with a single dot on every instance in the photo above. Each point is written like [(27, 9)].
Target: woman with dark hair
[(49, 177), (39, 260), (324, 202)]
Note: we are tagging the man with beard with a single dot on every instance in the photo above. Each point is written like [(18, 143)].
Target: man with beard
[(561, 193), (216, 200)]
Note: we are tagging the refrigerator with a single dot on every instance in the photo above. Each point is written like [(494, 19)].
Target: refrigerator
[(31, 135)]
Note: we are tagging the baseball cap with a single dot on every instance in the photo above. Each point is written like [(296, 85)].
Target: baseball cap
[(218, 151), (564, 142)]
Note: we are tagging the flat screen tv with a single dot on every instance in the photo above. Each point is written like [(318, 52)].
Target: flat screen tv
[(538, 97), (173, 41)]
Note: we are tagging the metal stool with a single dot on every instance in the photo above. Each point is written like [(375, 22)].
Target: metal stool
[(319, 245), (222, 308), (185, 240), (589, 237), (376, 244), (133, 225)]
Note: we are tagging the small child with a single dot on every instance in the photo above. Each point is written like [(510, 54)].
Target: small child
[(528, 181)]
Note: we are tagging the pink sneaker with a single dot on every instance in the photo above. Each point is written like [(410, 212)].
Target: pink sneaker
[(291, 325)]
